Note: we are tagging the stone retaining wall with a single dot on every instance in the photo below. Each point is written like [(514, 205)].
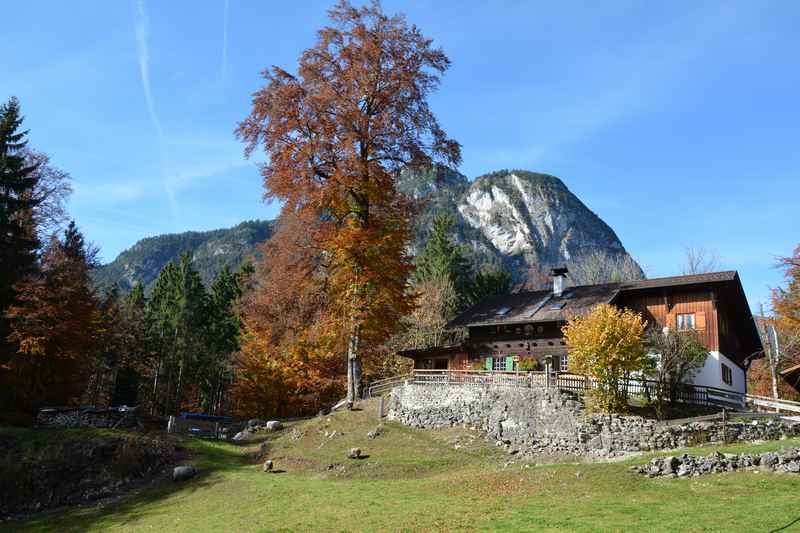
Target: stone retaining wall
[(534, 420), (85, 417)]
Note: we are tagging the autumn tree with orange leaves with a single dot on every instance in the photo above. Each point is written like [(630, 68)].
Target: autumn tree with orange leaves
[(287, 364), (337, 133), (780, 334), (55, 326)]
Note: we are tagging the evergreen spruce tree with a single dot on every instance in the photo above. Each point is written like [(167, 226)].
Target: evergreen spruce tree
[(18, 243), (177, 315), (223, 336), (111, 343), (134, 361), (442, 258), (158, 336), (488, 283)]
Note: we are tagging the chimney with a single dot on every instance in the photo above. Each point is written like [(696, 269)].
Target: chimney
[(558, 280)]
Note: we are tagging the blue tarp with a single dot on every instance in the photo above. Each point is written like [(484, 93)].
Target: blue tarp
[(209, 418)]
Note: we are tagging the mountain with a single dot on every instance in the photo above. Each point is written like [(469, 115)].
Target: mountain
[(523, 222), (517, 220), (212, 250)]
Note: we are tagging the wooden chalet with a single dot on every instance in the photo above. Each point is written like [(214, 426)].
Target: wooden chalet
[(504, 330)]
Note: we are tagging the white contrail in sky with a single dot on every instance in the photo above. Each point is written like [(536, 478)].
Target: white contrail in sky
[(143, 56), (144, 64), (224, 68)]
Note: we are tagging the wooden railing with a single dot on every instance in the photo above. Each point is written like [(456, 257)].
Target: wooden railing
[(772, 403), (642, 388)]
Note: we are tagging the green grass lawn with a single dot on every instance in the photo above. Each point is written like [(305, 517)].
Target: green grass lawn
[(414, 480)]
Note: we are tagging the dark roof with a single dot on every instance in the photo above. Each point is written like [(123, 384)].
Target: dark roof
[(432, 350), (673, 281), (539, 306), (536, 306)]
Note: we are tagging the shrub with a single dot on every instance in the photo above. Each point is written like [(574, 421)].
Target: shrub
[(528, 364), (677, 356), (607, 345)]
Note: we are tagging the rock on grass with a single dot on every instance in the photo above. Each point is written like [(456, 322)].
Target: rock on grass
[(182, 473)]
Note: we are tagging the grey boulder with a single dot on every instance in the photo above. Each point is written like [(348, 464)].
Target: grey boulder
[(182, 473), (355, 453), (274, 425), (242, 435)]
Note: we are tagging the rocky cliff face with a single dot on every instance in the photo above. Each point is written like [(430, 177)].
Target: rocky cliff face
[(523, 222), (516, 220)]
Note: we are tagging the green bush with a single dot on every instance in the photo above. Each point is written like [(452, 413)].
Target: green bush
[(528, 364)]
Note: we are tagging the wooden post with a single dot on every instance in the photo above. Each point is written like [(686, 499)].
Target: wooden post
[(724, 426), (380, 407)]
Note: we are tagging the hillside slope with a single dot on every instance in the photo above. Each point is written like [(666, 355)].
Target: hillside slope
[(427, 480), (520, 221), (212, 250)]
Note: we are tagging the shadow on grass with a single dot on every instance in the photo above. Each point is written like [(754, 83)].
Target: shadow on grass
[(142, 498), (787, 526)]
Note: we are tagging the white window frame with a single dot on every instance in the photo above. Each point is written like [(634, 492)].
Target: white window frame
[(563, 363), (499, 364), (685, 321)]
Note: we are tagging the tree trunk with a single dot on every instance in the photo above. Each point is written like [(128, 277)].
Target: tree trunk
[(353, 370), (155, 388), (178, 391), (774, 361)]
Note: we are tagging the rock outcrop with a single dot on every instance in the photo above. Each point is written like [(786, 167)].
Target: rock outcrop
[(521, 221)]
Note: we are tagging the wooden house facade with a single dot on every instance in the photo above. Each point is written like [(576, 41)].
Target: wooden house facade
[(509, 331)]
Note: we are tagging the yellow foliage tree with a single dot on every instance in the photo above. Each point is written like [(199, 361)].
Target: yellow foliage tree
[(607, 346)]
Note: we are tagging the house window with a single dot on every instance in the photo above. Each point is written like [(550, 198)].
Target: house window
[(727, 375), (499, 364), (564, 366), (685, 321)]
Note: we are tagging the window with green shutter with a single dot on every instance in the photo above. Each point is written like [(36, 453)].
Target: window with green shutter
[(510, 364), (489, 363)]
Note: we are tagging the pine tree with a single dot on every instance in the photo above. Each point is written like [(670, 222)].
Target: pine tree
[(134, 362), (177, 315), (111, 343), (223, 337), (442, 258), (488, 283), (18, 243)]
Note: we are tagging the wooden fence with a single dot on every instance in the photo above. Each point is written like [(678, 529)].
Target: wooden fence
[(771, 403), (642, 388)]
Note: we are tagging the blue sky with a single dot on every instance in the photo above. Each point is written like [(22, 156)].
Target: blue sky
[(676, 122)]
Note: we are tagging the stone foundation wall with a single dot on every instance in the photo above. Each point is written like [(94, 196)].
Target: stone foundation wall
[(548, 421), (85, 417)]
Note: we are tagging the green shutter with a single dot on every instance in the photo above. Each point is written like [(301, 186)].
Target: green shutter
[(510, 364), (489, 363)]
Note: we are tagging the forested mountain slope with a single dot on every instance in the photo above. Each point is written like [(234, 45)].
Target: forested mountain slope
[(212, 250), (517, 220)]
